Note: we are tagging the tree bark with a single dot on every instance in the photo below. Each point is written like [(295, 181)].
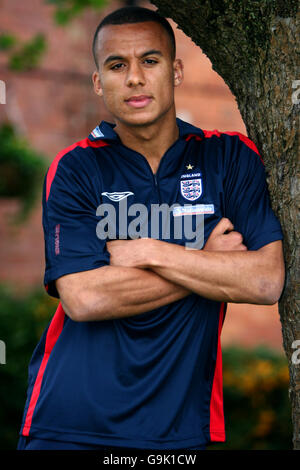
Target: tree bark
[(254, 46)]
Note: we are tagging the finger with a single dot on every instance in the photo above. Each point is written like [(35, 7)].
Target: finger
[(242, 247), (235, 239), (236, 236), (224, 225)]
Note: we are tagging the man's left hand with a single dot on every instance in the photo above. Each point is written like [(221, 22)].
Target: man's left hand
[(130, 253)]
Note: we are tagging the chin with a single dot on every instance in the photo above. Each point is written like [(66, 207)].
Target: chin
[(140, 120)]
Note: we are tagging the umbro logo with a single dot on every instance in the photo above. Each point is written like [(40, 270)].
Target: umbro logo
[(117, 196)]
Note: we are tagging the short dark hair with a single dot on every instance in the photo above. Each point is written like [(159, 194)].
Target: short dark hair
[(129, 15)]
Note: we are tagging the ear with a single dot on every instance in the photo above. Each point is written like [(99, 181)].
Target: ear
[(97, 83), (178, 72)]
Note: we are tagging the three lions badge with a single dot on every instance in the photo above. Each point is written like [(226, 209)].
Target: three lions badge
[(191, 189)]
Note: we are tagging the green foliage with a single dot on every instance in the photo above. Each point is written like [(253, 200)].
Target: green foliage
[(257, 409), (28, 54), (21, 169), (66, 10), (22, 321), (7, 41), (24, 56), (256, 403)]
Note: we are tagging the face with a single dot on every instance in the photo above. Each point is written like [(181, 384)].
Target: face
[(137, 73)]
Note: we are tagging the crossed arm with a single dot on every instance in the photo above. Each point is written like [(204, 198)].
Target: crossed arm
[(145, 274)]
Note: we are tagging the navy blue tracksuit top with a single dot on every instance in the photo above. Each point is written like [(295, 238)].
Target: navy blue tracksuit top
[(154, 380)]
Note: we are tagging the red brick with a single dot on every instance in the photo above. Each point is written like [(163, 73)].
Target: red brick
[(53, 109)]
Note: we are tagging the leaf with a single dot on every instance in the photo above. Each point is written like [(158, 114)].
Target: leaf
[(29, 55), (7, 41)]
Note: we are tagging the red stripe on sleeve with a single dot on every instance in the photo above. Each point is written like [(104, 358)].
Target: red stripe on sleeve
[(197, 137), (53, 333), (53, 167), (217, 423), (209, 134), (242, 137), (248, 142)]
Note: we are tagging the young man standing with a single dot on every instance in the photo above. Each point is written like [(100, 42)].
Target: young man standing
[(132, 356)]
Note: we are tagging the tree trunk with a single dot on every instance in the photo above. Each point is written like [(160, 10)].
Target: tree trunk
[(254, 46)]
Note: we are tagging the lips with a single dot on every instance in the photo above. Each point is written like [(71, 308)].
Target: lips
[(139, 101)]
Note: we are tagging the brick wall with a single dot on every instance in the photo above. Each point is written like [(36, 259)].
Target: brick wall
[(55, 106)]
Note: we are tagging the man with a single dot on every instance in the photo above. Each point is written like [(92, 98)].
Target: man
[(132, 356)]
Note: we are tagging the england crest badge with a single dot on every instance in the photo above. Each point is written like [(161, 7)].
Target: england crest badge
[(191, 189)]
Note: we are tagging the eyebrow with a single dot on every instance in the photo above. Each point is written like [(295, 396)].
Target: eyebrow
[(111, 58)]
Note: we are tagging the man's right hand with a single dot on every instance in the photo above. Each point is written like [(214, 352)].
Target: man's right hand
[(218, 240)]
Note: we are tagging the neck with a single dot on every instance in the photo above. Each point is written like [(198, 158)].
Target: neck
[(151, 140)]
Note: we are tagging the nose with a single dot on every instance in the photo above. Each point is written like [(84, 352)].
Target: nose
[(135, 75)]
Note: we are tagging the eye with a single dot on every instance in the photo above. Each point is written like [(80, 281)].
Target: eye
[(117, 66), (150, 61)]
